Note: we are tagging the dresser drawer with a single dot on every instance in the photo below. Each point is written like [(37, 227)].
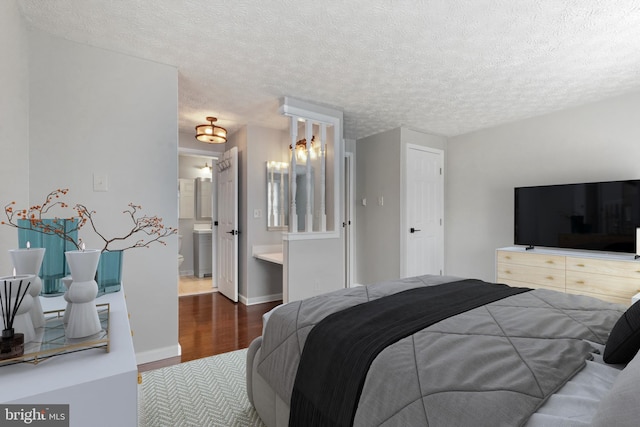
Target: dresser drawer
[(628, 269), (525, 275), (533, 260), (620, 289)]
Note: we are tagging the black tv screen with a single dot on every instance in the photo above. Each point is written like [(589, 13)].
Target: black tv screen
[(600, 216)]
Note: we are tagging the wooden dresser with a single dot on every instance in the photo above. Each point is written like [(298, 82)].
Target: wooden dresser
[(610, 277)]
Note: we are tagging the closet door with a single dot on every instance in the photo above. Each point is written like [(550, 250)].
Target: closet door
[(423, 249)]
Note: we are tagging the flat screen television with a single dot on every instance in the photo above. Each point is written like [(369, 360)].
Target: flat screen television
[(600, 216)]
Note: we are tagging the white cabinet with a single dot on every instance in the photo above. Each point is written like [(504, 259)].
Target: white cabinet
[(610, 277), (202, 253), (99, 387), (186, 198)]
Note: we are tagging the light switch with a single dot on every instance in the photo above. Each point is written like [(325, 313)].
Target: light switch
[(380, 200), (100, 182), (257, 213), (364, 201)]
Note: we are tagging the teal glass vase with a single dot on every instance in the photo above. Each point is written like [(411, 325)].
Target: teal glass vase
[(109, 273), (54, 265)]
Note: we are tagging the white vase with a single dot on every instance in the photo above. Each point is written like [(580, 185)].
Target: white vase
[(66, 281), (29, 261), (12, 293), (83, 319)]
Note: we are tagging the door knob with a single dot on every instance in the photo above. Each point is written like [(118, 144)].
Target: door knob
[(413, 230)]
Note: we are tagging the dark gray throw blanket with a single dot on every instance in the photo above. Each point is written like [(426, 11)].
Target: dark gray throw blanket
[(340, 349)]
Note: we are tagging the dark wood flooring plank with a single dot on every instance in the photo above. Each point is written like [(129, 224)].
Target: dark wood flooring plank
[(211, 324)]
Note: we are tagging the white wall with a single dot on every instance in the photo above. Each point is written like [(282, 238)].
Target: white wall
[(96, 111), (14, 121), (595, 142), (316, 267)]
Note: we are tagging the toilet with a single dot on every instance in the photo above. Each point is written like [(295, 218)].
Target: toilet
[(180, 256)]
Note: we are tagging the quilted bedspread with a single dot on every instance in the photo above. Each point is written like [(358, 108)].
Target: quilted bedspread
[(493, 365)]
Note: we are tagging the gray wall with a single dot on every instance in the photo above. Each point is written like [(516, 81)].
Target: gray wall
[(264, 279), (259, 281), (378, 173), (379, 170), (14, 121), (595, 142), (96, 111)]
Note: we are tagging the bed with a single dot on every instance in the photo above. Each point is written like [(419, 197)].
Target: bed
[(517, 357)]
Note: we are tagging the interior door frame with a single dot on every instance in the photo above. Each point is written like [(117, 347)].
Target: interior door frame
[(350, 223), (404, 222), (213, 157)]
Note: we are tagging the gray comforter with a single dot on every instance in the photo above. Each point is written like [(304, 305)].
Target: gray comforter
[(492, 366)]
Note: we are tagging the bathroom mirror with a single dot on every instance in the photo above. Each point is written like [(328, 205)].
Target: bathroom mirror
[(278, 195), (204, 204)]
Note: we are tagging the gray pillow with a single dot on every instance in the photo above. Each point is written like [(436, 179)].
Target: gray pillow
[(621, 406)]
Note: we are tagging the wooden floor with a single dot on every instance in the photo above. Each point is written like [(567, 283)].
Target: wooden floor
[(211, 324)]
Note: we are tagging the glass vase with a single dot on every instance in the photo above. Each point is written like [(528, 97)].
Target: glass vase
[(54, 265), (109, 274)]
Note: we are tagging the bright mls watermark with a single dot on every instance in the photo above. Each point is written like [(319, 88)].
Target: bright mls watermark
[(34, 415)]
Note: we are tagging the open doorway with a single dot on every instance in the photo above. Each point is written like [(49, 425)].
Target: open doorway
[(197, 200)]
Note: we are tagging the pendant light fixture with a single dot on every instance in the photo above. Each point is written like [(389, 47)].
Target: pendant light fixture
[(211, 133)]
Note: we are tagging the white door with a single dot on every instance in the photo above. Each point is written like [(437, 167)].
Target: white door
[(424, 211), (227, 267)]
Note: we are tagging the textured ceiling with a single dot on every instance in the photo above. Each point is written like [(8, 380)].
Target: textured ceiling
[(443, 66)]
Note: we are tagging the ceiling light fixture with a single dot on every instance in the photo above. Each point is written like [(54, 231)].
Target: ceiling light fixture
[(211, 133)]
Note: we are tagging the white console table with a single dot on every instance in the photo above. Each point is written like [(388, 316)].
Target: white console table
[(100, 387)]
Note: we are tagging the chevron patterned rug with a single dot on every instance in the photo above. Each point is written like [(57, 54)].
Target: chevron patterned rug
[(209, 392)]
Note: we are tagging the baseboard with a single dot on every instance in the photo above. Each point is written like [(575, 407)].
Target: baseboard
[(259, 300), (158, 354), (186, 273)]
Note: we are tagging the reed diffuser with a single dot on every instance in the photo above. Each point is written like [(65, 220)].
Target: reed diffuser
[(12, 343)]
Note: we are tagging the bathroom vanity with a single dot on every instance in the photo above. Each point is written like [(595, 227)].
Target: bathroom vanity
[(202, 251)]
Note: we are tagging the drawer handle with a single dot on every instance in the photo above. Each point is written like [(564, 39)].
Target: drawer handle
[(550, 262), (580, 282), (580, 265), (507, 272), (507, 257), (549, 277)]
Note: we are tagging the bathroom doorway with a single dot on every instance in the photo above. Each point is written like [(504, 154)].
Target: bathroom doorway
[(197, 200)]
